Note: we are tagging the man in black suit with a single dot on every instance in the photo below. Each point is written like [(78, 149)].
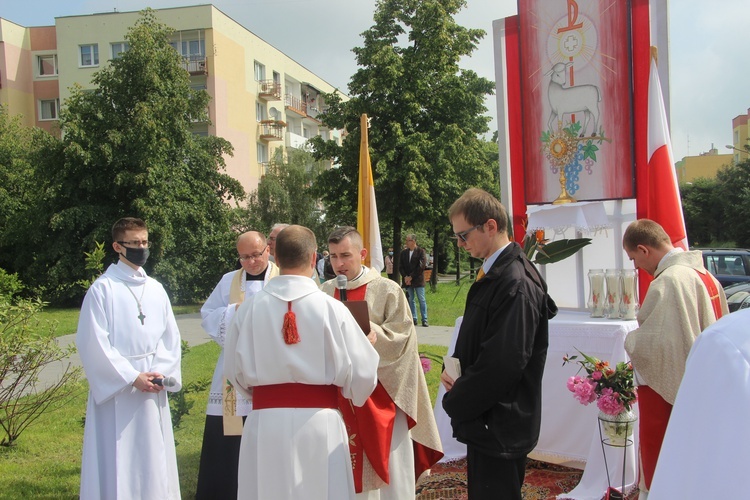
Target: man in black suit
[(411, 265)]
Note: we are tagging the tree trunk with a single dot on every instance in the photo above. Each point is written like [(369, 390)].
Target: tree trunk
[(435, 246), (397, 247)]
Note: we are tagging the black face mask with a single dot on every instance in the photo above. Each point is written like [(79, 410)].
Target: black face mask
[(137, 256)]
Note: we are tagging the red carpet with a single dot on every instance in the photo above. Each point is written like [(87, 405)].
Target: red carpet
[(543, 481)]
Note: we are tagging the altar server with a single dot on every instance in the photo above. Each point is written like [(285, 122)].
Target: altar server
[(217, 474), (128, 341), (291, 348)]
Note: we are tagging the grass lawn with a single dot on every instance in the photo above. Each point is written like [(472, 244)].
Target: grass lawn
[(447, 303), (46, 460)]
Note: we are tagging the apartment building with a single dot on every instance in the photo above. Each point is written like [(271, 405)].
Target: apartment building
[(740, 137), (261, 99), (705, 165)]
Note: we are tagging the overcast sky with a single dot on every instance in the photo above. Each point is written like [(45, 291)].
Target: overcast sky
[(709, 73)]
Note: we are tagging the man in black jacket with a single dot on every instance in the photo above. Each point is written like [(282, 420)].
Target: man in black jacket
[(412, 264), (496, 404)]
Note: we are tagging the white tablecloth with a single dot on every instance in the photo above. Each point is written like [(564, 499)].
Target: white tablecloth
[(570, 431)]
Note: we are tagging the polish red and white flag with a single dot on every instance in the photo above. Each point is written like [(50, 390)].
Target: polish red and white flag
[(663, 204)]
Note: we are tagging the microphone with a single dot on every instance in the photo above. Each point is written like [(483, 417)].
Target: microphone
[(165, 382), (341, 285)]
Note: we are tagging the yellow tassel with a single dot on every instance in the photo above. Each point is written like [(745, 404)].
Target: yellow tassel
[(291, 336)]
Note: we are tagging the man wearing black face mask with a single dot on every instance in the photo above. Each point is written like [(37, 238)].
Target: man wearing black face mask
[(128, 341)]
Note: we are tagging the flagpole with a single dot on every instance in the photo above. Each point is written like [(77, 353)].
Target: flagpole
[(367, 212)]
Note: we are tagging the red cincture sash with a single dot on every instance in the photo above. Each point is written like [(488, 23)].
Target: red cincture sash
[(295, 396), (713, 292)]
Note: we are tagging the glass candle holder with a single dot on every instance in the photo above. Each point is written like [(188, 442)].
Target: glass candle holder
[(597, 303), (614, 293), (629, 290)]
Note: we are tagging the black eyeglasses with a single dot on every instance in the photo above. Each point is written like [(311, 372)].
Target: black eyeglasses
[(253, 256), (136, 243), (462, 235)]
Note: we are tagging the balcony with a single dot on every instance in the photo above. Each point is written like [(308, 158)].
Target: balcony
[(269, 90), (195, 65), (271, 130), (295, 104)]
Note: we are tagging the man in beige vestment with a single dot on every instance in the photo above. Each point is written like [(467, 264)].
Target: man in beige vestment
[(682, 301), (385, 464)]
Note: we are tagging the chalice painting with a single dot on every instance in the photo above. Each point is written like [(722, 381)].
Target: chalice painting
[(576, 100)]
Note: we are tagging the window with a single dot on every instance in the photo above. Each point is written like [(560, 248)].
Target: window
[(47, 65), (260, 72), (89, 55), (48, 109), (191, 49), (119, 48), (260, 111), (262, 153)]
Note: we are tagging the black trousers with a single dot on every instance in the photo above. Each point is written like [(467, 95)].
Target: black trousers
[(220, 457), (494, 478)]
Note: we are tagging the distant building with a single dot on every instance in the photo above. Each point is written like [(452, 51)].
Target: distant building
[(704, 165), (740, 137), (261, 99)]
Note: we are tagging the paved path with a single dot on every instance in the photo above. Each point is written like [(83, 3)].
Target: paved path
[(191, 331)]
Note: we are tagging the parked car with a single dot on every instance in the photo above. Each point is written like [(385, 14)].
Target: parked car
[(730, 266), (738, 296)]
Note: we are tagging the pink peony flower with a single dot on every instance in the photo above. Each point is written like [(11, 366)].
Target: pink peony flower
[(426, 364), (584, 391), (597, 375), (609, 402), (572, 381)]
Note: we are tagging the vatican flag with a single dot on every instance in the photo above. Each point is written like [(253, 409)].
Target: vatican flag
[(367, 210)]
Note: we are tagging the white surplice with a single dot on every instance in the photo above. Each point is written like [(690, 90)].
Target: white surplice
[(706, 448), (290, 453), (128, 445), (217, 314)]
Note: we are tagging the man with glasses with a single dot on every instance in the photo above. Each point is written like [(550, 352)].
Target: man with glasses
[(412, 264), (217, 476), (495, 405), (128, 342)]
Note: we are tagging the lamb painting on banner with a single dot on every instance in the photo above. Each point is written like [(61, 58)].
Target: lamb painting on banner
[(577, 101)]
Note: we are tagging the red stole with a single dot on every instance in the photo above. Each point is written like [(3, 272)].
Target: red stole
[(376, 418), (370, 426), (713, 292)]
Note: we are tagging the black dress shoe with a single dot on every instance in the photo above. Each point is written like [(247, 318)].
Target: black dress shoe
[(415, 322), (424, 323)]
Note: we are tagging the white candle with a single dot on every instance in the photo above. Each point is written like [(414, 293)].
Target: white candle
[(613, 293), (629, 301)]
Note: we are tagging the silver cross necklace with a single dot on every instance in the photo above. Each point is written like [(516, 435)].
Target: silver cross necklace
[(141, 316)]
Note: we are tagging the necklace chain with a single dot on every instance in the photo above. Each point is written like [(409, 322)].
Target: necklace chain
[(141, 316)]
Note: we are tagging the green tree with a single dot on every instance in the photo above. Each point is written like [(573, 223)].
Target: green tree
[(703, 209), (285, 195), (734, 195), (128, 150), (21, 150), (427, 116)]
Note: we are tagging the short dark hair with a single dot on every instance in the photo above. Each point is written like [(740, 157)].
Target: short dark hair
[(342, 232), (127, 224), (478, 206), (647, 233), (295, 246)]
